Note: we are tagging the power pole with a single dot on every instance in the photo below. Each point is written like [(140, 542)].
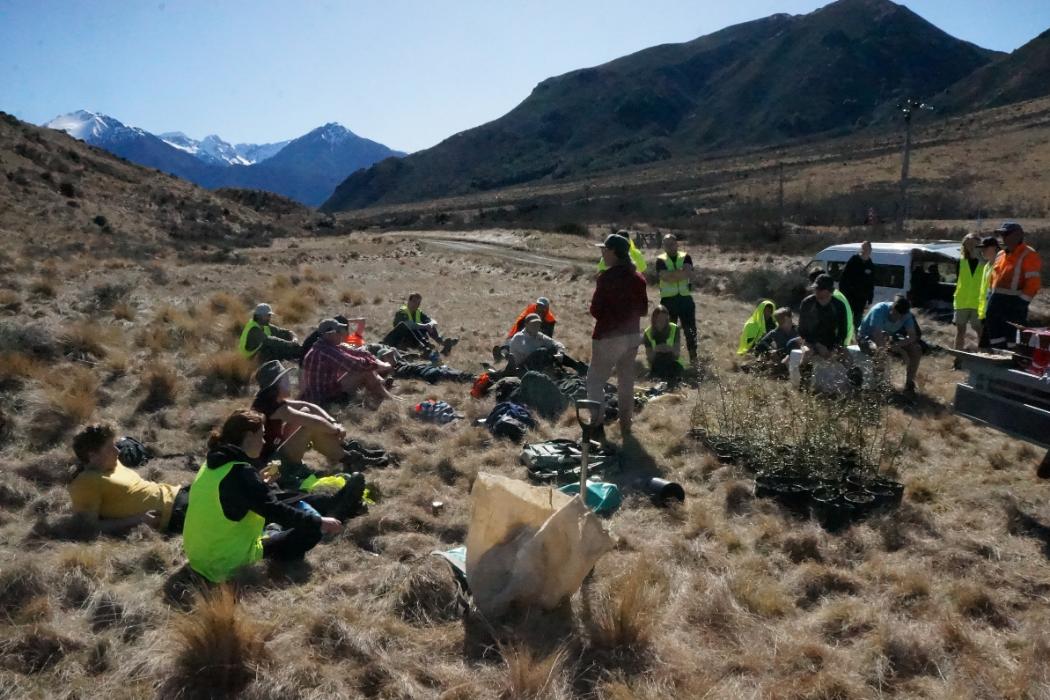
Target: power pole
[(907, 108), (780, 195)]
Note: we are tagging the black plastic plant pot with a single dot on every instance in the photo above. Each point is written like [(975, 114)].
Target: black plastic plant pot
[(889, 492), (793, 495), (856, 480), (830, 509), (862, 502), (663, 492)]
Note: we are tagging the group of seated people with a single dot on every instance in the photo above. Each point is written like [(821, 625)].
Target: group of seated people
[(826, 329)]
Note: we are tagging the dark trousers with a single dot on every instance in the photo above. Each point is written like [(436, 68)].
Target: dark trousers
[(857, 302), (289, 545), (683, 312), (178, 511), (405, 338), (342, 504), (1002, 311), (665, 368)]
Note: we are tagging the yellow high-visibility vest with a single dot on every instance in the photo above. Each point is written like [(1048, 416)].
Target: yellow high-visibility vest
[(679, 288), (243, 344), (672, 333)]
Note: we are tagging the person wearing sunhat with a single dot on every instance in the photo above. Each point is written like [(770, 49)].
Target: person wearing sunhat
[(618, 305), (263, 340), (295, 427), (532, 349), (333, 370), (1015, 280)]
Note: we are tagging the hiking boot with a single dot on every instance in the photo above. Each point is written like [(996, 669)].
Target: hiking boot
[(909, 391), (447, 344), (355, 446), (358, 461)]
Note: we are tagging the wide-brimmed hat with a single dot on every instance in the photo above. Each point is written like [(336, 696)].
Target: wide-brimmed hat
[(269, 373)]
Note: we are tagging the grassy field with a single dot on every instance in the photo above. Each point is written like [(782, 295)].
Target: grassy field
[(726, 597)]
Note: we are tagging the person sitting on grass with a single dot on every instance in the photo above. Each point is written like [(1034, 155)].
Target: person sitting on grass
[(890, 327), (230, 505), (111, 499), (294, 427), (542, 308), (773, 348), (414, 330), (355, 339), (334, 371), (262, 339), (663, 346), (851, 320), (756, 327)]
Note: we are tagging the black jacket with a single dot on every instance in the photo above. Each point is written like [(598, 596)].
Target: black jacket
[(243, 490), (858, 279), (822, 324)]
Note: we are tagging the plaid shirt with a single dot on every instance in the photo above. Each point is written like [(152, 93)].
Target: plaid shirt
[(325, 365)]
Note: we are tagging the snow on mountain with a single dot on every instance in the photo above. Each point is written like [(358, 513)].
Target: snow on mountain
[(214, 150), (93, 128)]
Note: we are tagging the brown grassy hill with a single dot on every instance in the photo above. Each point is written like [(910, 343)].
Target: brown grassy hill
[(1023, 75), (983, 165), (772, 80), (59, 195)]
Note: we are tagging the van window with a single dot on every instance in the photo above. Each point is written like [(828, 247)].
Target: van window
[(889, 276)]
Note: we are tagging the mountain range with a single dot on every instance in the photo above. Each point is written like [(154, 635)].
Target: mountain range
[(778, 80), (305, 169)]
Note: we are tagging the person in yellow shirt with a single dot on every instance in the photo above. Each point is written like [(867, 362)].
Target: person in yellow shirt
[(112, 499)]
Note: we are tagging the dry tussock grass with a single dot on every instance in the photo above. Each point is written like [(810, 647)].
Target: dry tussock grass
[(217, 648), (160, 386), (67, 398), (940, 598), (225, 373), (86, 340)]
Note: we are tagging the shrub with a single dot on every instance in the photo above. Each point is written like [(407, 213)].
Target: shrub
[(10, 301), (785, 288), (226, 372), (32, 341), (104, 297), (68, 400), (627, 615), (66, 189), (161, 387), (572, 229), (217, 649), (100, 221), (84, 340), (43, 288)]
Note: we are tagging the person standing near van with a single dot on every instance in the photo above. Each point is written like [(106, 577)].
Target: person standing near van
[(675, 270), (858, 281), (1014, 283), (967, 299)]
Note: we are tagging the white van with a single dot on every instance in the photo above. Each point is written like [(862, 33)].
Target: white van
[(924, 272)]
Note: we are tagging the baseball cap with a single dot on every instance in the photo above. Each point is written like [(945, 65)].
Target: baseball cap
[(263, 310), (616, 242), (543, 301), (329, 325), (533, 317), (825, 283), (1009, 227), (988, 242)]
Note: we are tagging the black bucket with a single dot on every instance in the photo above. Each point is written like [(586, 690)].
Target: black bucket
[(862, 502), (793, 493), (890, 493), (661, 491), (830, 509)]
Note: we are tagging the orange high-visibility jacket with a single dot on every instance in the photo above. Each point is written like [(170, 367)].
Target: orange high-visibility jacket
[(519, 322), (1017, 273)]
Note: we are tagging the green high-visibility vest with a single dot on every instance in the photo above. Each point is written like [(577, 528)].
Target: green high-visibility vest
[(679, 288), (850, 330), (419, 313), (672, 333), (982, 299), (216, 546), (243, 344), (968, 285)]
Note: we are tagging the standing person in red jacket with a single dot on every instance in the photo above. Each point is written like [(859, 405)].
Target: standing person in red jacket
[(618, 305)]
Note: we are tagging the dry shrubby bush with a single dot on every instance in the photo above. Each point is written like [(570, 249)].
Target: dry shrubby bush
[(67, 399), (160, 385), (85, 340), (225, 373), (216, 648)]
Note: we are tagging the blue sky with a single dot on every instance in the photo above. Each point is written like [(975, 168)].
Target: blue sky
[(406, 73)]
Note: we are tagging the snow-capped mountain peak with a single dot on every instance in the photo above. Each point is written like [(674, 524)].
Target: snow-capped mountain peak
[(94, 128)]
